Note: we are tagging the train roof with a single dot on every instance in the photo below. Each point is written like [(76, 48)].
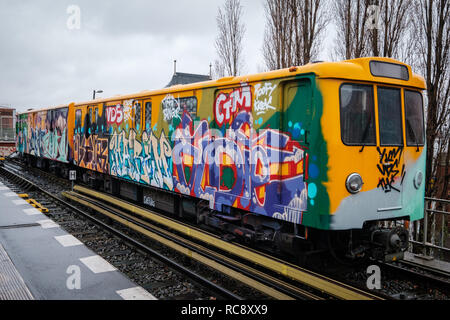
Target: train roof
[(354, 69), (44, 109)]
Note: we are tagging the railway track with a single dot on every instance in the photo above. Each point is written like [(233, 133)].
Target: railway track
[(254, 269), (438, 277), (147, 267), (133, 216)]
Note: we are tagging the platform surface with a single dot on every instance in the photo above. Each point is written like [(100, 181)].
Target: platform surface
[(38, 257)]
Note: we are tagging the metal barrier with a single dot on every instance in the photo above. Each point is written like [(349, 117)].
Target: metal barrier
[(431, 234)]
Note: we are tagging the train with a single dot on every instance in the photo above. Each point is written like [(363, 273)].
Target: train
[(302, 160)]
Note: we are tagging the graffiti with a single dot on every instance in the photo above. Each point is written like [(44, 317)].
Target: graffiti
[(149, 201), (54, 146), (256, 172), (388, 166), (114, 115), (293, 211), (128, 106), (91, 152), (146, 161), (48, 137), (171, 108), (263, 97), (227, 106)]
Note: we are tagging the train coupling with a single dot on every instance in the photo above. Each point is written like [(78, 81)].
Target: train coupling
[(389, 244)]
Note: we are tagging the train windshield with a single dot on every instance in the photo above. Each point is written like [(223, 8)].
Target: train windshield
[(414, 118), (390, 116), (357, 114)]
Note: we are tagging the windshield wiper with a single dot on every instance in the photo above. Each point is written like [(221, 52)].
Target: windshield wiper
[(366, 131)]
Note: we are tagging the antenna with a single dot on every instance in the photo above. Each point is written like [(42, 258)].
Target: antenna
[(174, 66)]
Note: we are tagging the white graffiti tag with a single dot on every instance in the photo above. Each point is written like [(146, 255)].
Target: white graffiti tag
[(263, 99), (171, 108)]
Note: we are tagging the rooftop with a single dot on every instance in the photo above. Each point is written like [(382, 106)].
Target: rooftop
[(187, 78)]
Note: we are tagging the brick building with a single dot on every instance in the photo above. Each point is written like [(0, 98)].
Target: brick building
[(7, 130)]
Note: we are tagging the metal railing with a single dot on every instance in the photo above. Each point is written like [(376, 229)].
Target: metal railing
[(430, 236)]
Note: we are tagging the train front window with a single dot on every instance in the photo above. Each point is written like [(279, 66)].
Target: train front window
[(357, 114), (390, 116), (414, 118)]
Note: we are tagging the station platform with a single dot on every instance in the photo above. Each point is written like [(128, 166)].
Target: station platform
[(40, 261)]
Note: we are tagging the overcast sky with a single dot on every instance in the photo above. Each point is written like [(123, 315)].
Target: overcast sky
[(122, 46)]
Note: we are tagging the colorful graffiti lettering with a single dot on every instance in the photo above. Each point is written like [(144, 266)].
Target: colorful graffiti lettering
[(227, 105), (388, 166), (49, 136), (146, 161), (262, 172), (114, 114), (54, 145), (91, 152)]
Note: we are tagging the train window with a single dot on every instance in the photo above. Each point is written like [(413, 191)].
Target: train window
[(148, 114), (389, 70), (77, 119), (137, 115), (175, 107), (390, 116), (357, 114), (188, 104), (414, 118)]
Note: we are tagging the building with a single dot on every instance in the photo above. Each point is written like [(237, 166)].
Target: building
[(7, 131)]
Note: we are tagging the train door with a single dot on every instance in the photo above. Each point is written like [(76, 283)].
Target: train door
[(296, 122), (391, 167), (77, 136), (49, 145)]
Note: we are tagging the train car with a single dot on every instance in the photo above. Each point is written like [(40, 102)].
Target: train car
[(304, 159), (43, 137)]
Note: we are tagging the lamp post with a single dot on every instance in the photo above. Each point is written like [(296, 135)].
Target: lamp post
[(94, 92)]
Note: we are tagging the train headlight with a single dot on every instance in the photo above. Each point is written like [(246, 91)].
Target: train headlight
[(418, 179), (354, 183)]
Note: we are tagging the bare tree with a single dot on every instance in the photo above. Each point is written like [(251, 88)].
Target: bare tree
[(387, 37), (229, 40), (293, 30), (430, 34), (350, 18)]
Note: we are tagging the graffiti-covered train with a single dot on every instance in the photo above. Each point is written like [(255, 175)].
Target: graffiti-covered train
[(302, 159)]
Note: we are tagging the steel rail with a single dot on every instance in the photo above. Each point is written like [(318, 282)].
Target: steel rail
[(239, 271), (319, 282), (205, 282)]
